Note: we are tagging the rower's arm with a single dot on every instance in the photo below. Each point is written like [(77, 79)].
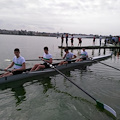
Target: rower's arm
[(64, 56), (74, 56), (22, 68), (48, 61), (40, 57), (10, 66)]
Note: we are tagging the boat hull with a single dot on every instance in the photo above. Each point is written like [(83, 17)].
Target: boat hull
[(48, 71)]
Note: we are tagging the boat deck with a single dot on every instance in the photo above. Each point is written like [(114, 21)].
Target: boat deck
[(89, 47)]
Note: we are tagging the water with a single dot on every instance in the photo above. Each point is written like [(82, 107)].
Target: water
[(53, 97)]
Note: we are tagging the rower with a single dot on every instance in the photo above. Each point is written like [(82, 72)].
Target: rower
[(84, 55), (68, 57), (19, 64), (47, 58)]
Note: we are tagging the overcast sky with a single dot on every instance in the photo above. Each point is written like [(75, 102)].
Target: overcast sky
[(72, 16)]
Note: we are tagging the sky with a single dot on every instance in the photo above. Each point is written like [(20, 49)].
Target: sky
[(100, 17)]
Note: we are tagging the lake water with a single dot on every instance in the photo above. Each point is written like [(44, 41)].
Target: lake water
[(53, 97)]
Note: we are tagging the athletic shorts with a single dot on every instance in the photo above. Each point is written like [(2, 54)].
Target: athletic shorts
[(84, 58), (68, 62), (46, 65), (17, 72)]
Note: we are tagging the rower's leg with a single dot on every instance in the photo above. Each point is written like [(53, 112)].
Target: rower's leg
[(35, 66), (61, 63), (7, 74), (4, 74), (40, 67), (65, 63), (77, 60)]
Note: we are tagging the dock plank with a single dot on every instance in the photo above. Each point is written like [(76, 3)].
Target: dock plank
[(90, 47)]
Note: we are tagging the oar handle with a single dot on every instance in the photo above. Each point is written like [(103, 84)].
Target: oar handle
[(5, 70)]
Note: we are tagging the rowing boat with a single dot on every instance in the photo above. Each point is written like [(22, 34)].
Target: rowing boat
[(72, 65)]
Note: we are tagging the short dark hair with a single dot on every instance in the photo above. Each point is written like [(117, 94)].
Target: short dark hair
[(16, 50), (83, 48), (46, 48), (66, 49)]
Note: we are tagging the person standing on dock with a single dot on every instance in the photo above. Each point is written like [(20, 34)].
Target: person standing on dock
[(18, 63), (72, 40), (68, 57), (80, 41), (84, 55), (100, 39), (47, 58), (66, 39), (62, 40)]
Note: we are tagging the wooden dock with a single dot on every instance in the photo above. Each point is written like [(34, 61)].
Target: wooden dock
[(90, 47)]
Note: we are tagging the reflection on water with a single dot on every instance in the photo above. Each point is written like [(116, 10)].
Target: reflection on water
[(78, 52), (104, 52), (19, 94), (19, 91), (93, 52), (99, 52), (116, 53), (62, 52), (46, 83)]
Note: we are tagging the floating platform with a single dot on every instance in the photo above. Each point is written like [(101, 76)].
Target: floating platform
[(90, 47)]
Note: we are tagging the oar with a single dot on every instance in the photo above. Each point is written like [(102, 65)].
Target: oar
[(8, 60), (106, 65), (39, 59), (99, 104), (5, 70), (2, 70)]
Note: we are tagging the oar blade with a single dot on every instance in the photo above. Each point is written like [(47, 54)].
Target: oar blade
[(8, 60), (107, 108)]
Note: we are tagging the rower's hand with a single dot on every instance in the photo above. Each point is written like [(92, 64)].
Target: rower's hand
[(40, 57), (14, 70), (5, 69)]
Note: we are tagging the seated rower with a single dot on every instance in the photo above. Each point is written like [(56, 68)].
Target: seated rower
[(47, 58), (68, 57), (84, 55), (19, 64)]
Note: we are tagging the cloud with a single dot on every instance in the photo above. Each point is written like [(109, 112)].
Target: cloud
[(63, 15)]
